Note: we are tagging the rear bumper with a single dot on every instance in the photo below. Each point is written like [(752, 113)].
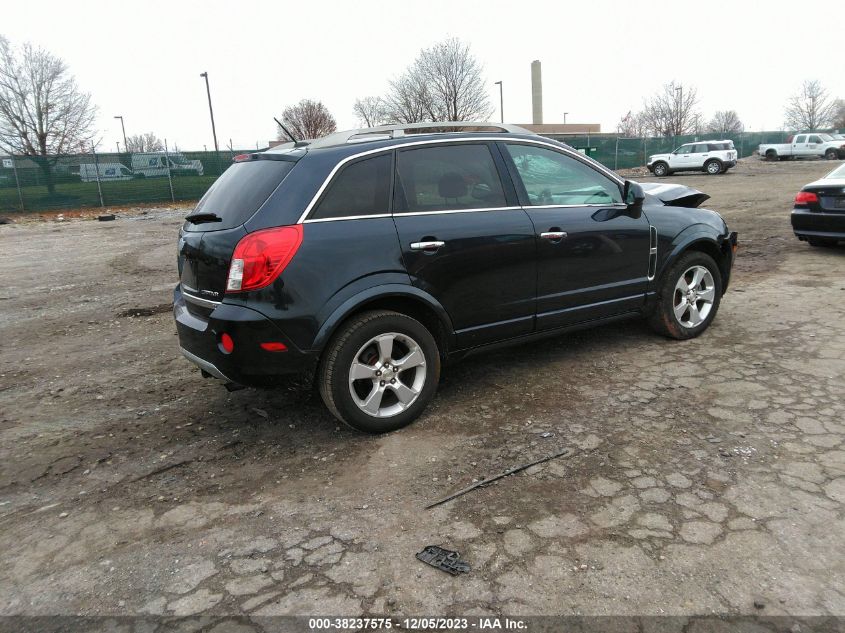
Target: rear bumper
[(806, 223), (247, 364)]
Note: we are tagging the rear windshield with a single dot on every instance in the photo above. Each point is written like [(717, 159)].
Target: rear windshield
[(240, 192)]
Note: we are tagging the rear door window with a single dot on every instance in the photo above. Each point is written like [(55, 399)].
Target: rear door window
[(240, 192), (450, 177), (701, 148), (361, 188)]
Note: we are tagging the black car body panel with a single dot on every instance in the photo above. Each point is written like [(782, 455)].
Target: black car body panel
[(824, 217), (493, 279)]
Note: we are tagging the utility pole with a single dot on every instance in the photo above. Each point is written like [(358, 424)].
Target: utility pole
[(210, 111), (564, 117), (501, 100)]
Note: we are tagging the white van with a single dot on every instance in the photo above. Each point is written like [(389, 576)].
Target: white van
[(108, 171), (154, 164)]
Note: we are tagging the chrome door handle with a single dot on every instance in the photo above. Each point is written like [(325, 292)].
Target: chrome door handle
[(426, 246), (553, 235)]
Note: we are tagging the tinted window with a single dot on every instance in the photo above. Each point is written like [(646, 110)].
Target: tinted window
[(800, 139), (683, 149), (716, 147), (361, 188), (240, 191), (447, 177), (814, 139), (701, 148), (554, 178)]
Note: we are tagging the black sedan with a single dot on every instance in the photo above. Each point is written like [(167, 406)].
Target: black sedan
[(819, 213)]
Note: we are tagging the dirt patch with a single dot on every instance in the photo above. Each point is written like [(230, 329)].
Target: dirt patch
[(146, 312)]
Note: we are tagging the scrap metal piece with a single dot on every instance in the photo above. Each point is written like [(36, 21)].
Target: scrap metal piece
[(444, 559), (489, 480)]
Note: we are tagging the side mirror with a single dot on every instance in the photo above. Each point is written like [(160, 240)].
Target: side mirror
[(634, 196)]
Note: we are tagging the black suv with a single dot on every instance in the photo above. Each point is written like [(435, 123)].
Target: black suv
[(370, 257)]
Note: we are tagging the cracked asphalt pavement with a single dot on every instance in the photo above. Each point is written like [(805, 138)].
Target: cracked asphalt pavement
[(705, 476)]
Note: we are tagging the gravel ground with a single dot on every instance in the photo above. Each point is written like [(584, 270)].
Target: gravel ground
[(705, 476)]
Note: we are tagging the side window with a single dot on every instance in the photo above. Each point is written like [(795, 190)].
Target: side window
[(701, 148), (447, 177), (801, 139), (814, 139), (361, 188), (552, 178), (683, 149)]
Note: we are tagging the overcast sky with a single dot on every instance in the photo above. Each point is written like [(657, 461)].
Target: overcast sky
[(600, 58)]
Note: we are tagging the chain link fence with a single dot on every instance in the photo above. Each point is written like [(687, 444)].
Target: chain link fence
[(117, 179), (617, 152), (30, 183)]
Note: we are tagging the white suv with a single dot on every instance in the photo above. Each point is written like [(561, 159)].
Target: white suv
[(713, 157)]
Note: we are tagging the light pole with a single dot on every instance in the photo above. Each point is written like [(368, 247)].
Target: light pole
[(117, 143), (122, 127), (564, 117), (501, 100), (679, 90), (211, 111)]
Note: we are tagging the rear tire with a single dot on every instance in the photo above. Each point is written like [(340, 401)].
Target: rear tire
[(688, 297), (771, 155), (379, 371), (713, 167), (661, 169), (821, 242)]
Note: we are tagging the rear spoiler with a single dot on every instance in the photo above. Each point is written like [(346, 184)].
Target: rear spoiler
[(675, 195)]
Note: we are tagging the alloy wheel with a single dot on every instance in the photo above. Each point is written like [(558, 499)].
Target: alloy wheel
[(694, 295), (387, 374)]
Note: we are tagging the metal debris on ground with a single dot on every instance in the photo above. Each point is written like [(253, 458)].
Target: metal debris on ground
[(484, 482), (106, 218), (444, 559)]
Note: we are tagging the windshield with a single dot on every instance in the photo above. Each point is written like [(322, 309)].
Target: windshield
[(826, 137), (178, 159), (839, 172)]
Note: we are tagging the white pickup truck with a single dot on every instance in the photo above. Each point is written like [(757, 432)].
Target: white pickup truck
[(802, 145)]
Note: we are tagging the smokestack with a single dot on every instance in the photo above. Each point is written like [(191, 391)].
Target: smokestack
[(537, 91)]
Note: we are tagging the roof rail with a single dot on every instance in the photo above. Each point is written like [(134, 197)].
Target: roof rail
[(398, 130)]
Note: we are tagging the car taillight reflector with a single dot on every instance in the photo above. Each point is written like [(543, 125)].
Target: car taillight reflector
[(260, 257), (806, 197), (227, 343), (274, 346)]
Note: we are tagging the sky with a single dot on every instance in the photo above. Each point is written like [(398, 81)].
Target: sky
[(600, 58)]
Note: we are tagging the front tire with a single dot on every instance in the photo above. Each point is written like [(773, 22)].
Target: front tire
[(661, 169), (713, 167), (688, 298), (831, 154), (380, 371)]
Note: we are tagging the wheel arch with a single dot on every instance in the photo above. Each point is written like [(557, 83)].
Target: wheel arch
[(407, 300), (708, 242)]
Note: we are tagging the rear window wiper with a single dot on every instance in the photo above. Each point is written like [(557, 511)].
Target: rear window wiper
[(199, 218)]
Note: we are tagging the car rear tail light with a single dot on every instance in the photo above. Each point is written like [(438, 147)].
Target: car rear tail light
[(806, 197), (260, 257), (274, 346), (226, 343)]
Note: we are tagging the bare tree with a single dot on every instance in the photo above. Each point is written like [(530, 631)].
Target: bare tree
[(43, 113), (444, 83), (725, 122), (632, 125), (839, 116), (371, 111), (307, 120), (810, 108), (671, 112), (148, 142)]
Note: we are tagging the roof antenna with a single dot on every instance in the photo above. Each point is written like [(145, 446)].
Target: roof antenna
[(285, 130)]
